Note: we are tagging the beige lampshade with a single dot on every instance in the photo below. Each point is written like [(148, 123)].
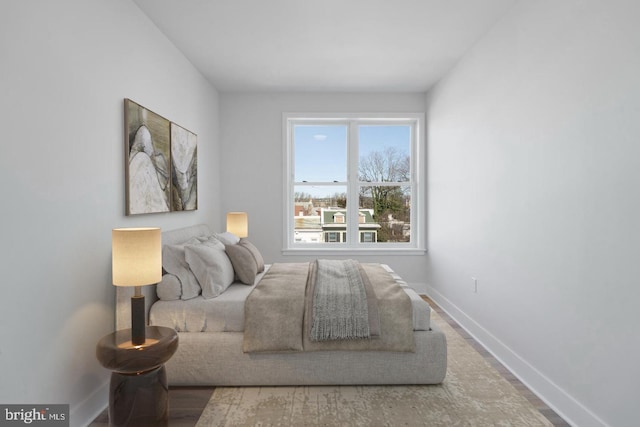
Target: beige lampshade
[(136, 256), (238, 223)]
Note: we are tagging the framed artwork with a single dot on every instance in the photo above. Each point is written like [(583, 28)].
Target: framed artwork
[(160, 163)]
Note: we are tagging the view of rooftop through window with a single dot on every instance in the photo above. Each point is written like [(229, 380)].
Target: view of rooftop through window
[(377, 158)]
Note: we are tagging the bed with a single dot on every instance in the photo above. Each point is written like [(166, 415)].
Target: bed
[(211, 335)]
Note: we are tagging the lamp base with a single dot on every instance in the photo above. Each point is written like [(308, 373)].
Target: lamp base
[(138, 326)]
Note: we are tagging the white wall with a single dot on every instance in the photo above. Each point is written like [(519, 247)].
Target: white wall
[(534, 189), (66, 67), (252, 161)]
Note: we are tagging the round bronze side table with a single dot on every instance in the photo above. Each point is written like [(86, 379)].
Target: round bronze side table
[(138, 392)]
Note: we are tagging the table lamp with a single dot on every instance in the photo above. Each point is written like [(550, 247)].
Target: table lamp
[(238, 223), (136, 261)]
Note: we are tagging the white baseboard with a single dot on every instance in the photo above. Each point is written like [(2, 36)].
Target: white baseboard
[(83, 413), (556, 398)]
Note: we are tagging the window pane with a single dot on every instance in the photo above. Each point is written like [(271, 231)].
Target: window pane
[(320, 214), (385, 153), (390, 207), (320, 153), (320, 196)]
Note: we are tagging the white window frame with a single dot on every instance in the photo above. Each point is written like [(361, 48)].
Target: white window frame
[(416, 245)]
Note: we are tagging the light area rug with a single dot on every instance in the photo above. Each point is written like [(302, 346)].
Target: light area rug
[(472, 394)]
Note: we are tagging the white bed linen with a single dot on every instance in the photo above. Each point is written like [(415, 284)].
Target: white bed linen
[(225, 313)]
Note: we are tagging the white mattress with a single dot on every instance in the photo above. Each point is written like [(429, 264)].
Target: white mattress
[(225, 313)]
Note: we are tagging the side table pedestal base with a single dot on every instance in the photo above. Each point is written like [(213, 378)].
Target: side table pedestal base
[(139, 399)]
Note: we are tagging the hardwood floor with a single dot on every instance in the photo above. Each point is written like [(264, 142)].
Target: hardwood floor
[(187, 403), (185, 407)]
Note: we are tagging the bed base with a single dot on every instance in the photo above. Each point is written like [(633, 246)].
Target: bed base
[(216, 358)]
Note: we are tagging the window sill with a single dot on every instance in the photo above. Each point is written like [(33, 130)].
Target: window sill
[(354, 251)]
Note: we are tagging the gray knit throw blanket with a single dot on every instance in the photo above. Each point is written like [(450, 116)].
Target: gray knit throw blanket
[(339, 302)]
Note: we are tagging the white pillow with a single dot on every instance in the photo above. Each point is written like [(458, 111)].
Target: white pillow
[(211, 266), (227, 238), (174, 262), (169, 288)]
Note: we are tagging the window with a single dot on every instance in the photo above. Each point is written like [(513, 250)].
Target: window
[(352, 182), (368, 236), (332, 236)]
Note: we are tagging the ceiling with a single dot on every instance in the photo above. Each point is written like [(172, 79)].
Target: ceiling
[(324, 45)]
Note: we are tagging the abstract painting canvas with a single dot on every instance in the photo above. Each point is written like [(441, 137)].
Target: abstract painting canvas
[(147, 158), (184, 169)]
